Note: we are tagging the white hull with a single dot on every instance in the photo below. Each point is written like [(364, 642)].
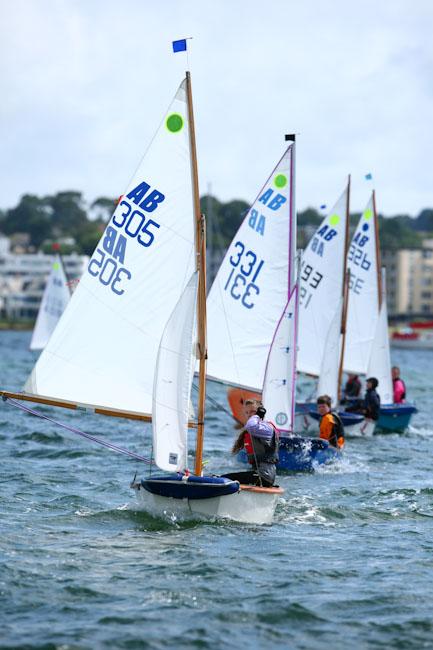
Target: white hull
[(248, 506), (364, 429)]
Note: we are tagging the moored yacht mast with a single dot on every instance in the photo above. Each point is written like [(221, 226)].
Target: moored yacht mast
[(200, 247)]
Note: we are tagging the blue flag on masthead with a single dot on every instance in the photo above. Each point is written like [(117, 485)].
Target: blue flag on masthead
[(179, 46), (368, 177)]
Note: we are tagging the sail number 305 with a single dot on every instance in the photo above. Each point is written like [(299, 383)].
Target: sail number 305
[(241, 282)]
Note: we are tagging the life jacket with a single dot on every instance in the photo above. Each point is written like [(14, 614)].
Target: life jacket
[(336, 438), (403, 395), (248, 443), (262, 451), (338, 431)]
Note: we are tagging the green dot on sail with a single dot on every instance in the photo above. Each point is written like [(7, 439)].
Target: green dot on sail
[(334, 219), (56, 266), (174, 123), (280, 180), (368, 214)]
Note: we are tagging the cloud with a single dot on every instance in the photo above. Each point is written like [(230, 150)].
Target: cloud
[(85, 85)]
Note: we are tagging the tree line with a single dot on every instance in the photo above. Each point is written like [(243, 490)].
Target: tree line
[(66, 216)]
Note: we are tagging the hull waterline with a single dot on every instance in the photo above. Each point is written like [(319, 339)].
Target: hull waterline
[(250, 505)]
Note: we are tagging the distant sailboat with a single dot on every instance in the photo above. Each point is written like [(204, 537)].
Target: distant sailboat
[(322, 321), (127, 342), (367, 340), (54, 300), (253, 313)]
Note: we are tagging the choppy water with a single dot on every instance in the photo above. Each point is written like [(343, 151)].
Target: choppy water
[(347, 564)]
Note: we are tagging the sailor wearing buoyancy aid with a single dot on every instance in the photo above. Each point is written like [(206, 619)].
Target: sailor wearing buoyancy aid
[(260, 441), (331, 427)]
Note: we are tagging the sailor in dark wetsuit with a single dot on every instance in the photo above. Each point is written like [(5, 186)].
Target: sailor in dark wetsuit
[(372, 400), (370, 406), (352, 390), (260, 441)]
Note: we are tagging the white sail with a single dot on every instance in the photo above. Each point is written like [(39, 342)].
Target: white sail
[(321, 286), (328, 377), (254, 283), (363, 307), (379, 364), (173, 380), (280, 376), (103, 351), (54, 300)]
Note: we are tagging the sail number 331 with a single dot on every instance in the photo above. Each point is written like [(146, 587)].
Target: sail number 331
[(241, 283)]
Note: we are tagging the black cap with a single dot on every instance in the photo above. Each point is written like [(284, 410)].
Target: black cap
[(374, 381)]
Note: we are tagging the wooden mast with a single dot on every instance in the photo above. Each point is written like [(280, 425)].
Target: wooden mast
[(346, 279), (378, 258), (200, 248)]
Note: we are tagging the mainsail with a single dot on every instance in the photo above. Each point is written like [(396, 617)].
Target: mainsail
[(254, 283), (363, 307), (54, 300), (104, 348), (321, 286)]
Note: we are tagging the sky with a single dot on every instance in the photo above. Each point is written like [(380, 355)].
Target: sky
[(85, 84)]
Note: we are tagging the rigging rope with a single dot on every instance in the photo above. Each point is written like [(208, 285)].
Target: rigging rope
[(218, 405), (109, 445)]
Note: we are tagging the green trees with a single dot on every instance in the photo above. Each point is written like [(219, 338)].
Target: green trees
[(66, 216)]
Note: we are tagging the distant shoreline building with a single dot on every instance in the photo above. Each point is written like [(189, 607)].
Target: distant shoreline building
[(23, 278), (409, 281)]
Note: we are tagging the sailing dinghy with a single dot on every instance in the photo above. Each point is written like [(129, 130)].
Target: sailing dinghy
[(54, 300), (253, 312), (367, 340), (127, 343)]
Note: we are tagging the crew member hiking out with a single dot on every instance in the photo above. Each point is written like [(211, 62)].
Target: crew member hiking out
[(331, 426)]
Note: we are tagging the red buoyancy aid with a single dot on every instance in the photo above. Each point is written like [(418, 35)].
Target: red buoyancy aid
[(248, 444)]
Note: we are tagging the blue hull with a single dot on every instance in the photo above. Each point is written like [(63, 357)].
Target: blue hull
[(348, 419), (395, 417), (297, 454), (180, 486)]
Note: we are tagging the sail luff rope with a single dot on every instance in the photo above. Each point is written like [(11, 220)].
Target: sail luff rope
[(83, 434)]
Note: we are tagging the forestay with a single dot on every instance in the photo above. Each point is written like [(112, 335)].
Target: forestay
[(379, 365), (54, 300), (363, 306), (321, 286), (173, 382), (104, 349), (280, 374), (253, 284)]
